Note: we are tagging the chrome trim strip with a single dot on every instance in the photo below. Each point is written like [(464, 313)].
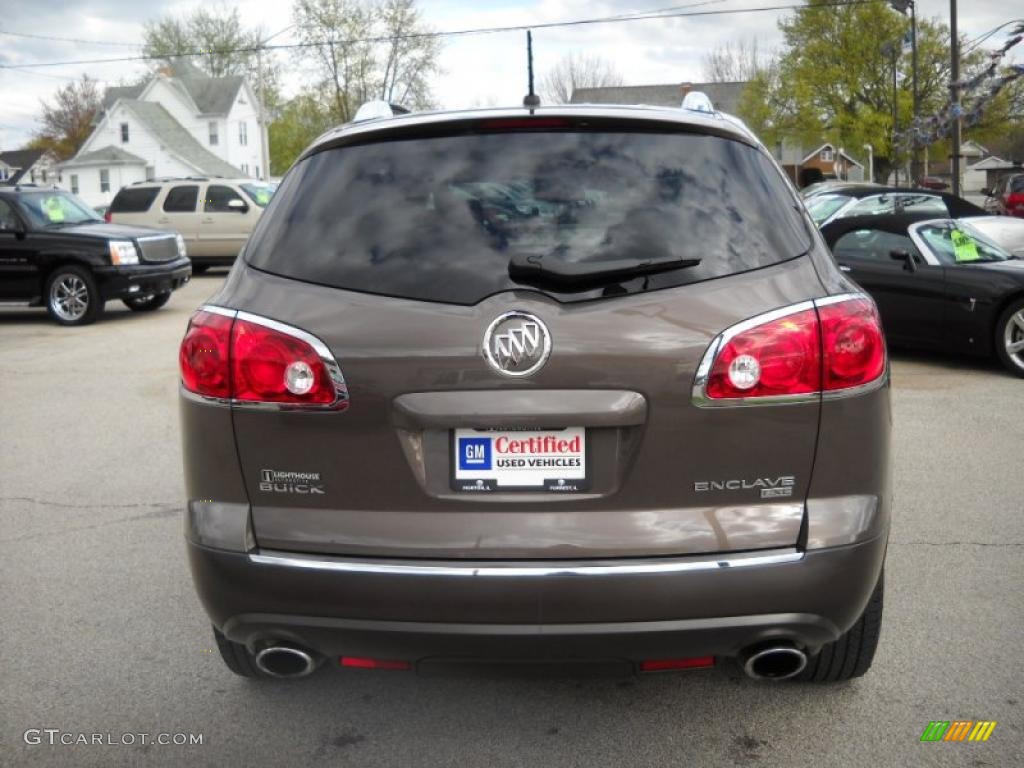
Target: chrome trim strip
[(321, 349), (218, 310), (698, 392), (476, 569)]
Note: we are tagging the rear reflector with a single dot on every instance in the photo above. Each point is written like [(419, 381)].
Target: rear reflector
[(363, 662), (820, 346), (663, 665)]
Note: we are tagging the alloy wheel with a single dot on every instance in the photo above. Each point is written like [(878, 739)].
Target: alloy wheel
[(1013, 338), (69, 297)]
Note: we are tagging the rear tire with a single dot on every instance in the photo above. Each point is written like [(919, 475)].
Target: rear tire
[(236, 656), (71, 295), (1009, 333), (851, 655), (147, 303)]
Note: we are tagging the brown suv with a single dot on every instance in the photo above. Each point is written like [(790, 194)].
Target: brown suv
[(570, 384)]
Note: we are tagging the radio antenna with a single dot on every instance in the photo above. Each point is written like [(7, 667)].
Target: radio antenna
[(531, 99)]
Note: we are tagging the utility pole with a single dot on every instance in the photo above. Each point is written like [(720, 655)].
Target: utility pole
[(901, 6), (262, 114), (954, 97), (893, 50)]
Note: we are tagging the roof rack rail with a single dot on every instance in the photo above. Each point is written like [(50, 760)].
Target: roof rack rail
[(375, 110), (698, 101), (162, 179)]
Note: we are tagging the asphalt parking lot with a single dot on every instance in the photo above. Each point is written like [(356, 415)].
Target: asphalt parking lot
[(102, 632)]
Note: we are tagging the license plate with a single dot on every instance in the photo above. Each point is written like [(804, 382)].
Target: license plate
[(520, 460)]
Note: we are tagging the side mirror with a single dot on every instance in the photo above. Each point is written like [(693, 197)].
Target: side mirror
[(986, 192), (237, 205), (909, 262)]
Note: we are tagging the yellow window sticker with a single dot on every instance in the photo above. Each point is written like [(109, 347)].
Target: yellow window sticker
[(964, 247), (53, 209), (262, 197)]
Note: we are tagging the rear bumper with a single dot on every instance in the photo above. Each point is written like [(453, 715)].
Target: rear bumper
[(633, 610), (144, 279)]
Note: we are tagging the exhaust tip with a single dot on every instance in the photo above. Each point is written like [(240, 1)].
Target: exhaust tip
[(776, 662), (285, 661)]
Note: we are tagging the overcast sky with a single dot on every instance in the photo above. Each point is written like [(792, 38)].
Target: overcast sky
[(478, 69)]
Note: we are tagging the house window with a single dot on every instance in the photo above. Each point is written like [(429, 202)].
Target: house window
[(74, 183), (826, 155), (257, 174), (104, 180), (124, 133), (245, 169), (32, 174), (150, 173), (44, 177), (243, 134), (214, 138)]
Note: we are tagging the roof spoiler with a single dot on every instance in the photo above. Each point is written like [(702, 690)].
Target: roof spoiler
[(376, 110)]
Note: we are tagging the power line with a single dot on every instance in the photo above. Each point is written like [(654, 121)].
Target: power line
[(452, 33), (66, 39)]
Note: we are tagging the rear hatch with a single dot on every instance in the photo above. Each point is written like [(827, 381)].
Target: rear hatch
[(542, 409)]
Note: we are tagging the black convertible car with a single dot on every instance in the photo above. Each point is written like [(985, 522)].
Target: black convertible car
[(846, 200), (939, 283)]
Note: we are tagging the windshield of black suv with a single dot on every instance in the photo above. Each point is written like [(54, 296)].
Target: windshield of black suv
[(259, 192), (440, 219), (52, 208)]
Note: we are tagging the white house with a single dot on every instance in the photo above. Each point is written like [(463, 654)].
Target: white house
[(179, 123)]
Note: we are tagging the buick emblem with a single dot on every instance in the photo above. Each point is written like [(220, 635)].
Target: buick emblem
[(517, 344)]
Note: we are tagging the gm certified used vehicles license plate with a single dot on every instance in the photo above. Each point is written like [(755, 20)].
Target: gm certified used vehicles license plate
[(520, 460)]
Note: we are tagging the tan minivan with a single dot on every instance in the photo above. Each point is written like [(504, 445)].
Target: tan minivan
[(214, 215)]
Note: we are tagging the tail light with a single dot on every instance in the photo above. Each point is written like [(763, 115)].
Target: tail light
[(1015, 200), (795, 353), (107, 217), (245, 358)]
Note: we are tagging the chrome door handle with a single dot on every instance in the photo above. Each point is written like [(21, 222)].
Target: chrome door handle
[(844, 268), (164, 220)]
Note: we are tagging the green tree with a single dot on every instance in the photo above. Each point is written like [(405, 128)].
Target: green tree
[(833, 79), (229, 48), (367, 49), (298, 122), (68, 120)]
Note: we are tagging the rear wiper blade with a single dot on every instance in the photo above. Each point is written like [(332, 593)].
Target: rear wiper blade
[(569, 274)]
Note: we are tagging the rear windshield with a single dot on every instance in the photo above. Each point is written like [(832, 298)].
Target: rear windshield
[(137, 200), (439, 219), (1017, 184)]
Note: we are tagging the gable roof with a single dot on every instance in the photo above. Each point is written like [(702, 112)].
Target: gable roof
[(213, 95), (724, 96), (109, 155), (22, 160), (121, 92), (178, 141), (831, 146)]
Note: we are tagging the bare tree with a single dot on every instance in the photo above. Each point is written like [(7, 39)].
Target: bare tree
[(67, 122), (578, 70), (735, 61), (367, 49)]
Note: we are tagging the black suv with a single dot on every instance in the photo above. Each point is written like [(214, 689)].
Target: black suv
[(55, 250)]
